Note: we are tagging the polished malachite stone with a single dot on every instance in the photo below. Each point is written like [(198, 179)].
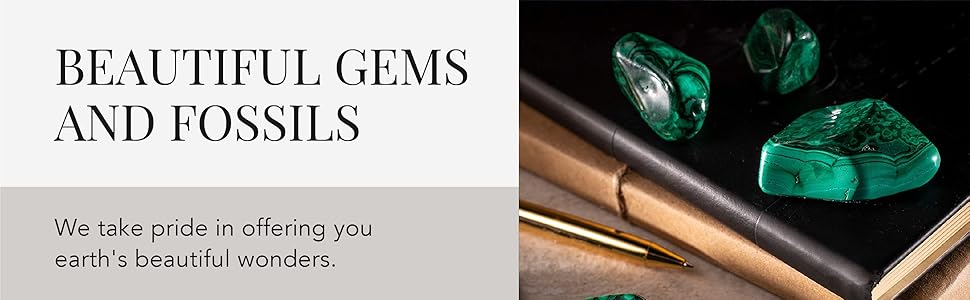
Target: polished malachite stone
[(855, 151), (617, 297), (782, 50), (667, 87)]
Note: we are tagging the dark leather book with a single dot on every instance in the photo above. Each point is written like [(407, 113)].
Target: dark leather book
[(912, 55)]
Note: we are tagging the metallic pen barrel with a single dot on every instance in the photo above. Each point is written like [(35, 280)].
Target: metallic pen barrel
[(597, 234)]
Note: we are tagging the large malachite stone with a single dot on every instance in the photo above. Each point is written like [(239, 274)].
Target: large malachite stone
[(782, 50), (855, 151), (616, 297), (667, 87)]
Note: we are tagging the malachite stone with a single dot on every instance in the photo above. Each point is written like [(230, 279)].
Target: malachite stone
[(617, 297), (782, 50), (667, 87), (855, 151)]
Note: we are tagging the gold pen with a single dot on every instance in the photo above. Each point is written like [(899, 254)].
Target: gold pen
[(598, 234)]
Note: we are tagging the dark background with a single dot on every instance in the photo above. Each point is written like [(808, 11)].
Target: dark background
[(912, 55)]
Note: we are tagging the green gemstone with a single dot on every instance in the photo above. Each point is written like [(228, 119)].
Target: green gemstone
[(782, 50), (855, 151), (667, 87), (617, 297)]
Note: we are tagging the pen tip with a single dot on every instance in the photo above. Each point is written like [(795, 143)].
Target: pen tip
[(687, 265)]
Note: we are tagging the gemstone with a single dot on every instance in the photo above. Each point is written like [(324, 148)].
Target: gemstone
[(859, 150), (667, 87), (782, 50), (616, 297)]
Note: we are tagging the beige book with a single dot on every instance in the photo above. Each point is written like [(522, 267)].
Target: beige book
[(558, 155)]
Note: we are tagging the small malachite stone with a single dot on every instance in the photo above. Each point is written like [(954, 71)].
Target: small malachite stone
[(667, 87), (782, 50), (617, 297), (855, 151)]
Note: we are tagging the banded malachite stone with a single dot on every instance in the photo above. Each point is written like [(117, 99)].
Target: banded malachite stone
[(782, 50), (617, 297), (667, 87), (859, 150)]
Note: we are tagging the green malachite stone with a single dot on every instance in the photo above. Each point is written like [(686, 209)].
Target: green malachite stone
[(617, 297), (667, 87), (782, 50), (855, 151)]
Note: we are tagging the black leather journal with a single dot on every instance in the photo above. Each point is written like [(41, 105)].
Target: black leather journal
[(914, 56)]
